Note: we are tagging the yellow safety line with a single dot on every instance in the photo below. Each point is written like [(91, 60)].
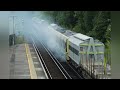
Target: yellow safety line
[(30, 62)]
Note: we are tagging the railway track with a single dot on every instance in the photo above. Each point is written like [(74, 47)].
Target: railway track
[(67, 71), (43, 63), (72, 72), (67, 67), (53, 67)]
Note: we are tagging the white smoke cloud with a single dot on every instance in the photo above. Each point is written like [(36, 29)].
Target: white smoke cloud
[(40, 29), (50, 39)]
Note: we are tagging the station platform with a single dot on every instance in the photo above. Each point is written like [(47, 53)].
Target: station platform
[(25, 63)]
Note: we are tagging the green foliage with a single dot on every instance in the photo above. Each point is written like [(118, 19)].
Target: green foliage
[(91, 23), (19, 39)]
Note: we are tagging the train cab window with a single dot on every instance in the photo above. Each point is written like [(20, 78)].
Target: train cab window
[(74, 50)]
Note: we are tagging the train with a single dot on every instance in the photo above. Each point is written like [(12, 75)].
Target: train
[(85, 53)]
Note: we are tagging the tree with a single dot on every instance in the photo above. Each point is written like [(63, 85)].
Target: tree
[(91, 23), (100, 25)]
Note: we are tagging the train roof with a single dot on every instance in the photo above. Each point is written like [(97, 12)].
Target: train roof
[(58, 28), (81, 36), (69, 33), (78, 38), (63, 30), (74, 37)]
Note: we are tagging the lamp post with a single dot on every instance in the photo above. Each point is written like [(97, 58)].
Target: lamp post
[(13, 40), (23, 28), (13, 17)]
